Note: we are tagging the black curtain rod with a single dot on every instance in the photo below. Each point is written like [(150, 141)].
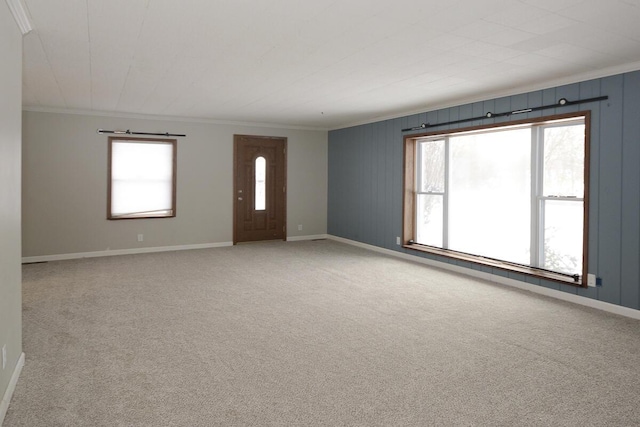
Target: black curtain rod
[(128, 132), (562, 102)]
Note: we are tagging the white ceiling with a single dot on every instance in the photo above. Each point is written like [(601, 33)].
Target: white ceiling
[(314, 63)]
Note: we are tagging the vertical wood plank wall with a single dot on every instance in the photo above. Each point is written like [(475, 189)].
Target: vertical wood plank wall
[(365, 179)]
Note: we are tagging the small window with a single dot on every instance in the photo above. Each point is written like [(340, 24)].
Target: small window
[(511, 196), (261, 184), (142, 178)]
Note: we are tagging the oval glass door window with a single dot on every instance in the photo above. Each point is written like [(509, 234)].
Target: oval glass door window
[(261, 184)]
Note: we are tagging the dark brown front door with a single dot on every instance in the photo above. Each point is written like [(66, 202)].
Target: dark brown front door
[(259, 188)]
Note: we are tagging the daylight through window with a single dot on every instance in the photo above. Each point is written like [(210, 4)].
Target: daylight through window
[(261, 184), (141, 178), (514, 193)]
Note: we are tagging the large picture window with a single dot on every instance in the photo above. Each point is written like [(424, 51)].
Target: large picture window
[(511, 196), (142, 178)]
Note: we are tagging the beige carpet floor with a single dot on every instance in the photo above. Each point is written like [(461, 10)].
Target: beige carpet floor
[(310, 334)]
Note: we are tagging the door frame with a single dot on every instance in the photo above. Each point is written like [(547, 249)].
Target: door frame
[(236, 138)]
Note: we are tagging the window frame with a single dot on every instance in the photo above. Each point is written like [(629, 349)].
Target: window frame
[(260, 198), (411, 188), (174, 145)]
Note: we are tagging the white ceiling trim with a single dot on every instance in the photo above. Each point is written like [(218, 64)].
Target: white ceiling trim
[(167, 118), (326, 64), (577, 78), (20, 15), (589, 75)]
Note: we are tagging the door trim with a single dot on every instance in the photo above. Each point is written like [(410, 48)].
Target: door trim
[(236, 138)]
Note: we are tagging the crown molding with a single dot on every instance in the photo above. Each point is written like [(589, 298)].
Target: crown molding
[(20, 15), (547, 84), (575, 78), (124, 115)]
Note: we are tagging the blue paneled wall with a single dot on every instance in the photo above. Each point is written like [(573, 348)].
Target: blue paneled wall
[(365, 179)]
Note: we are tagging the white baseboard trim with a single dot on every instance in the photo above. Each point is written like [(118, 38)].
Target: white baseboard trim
[(576, 299), (300, 238), (61, 257), (6, 399)]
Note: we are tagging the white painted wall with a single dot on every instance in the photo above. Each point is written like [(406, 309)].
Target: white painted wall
[(65, 184), (10, 270)]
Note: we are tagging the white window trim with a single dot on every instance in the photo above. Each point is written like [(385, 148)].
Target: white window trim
[(537, 228)]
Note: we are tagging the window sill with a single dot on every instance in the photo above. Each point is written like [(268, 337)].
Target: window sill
[(532, 272), (145, 216)]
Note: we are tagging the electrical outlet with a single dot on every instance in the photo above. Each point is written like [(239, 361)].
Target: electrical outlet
[(140, 237), (398, 240), (4, 356), (299, 227), (591, 280)]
